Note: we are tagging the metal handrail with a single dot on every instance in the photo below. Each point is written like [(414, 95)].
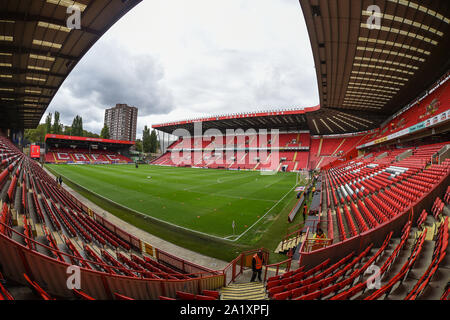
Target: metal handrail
[(277, 265)]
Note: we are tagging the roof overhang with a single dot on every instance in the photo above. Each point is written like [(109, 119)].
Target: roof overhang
[(317, 120), (63, 139), (377, 61), (38, 51)]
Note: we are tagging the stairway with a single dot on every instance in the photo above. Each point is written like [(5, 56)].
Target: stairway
[(320, 147), (340, 145), (244, 291), (288, 244), (318, 164)]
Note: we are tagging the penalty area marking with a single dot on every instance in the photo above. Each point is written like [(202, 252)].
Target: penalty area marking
[(239, 236)]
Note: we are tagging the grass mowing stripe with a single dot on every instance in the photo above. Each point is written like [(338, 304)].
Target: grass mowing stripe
[(263, 215), (267, 234), (163, 197)]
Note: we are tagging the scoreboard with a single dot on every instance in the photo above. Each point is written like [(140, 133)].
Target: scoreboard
[(35, 151)]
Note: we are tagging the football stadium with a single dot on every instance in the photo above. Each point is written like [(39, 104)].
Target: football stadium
[(345, 200)]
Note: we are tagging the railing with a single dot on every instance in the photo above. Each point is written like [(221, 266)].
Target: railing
[(315, 244), (277, 266), (303, 246), (241, 262)]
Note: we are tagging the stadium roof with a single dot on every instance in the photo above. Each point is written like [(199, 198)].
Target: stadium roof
[(63, 139), (381, 69), (289, 118), (364, 74), (317, 120), (38, 51)]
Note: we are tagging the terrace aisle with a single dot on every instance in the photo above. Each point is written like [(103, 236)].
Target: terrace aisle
[(156, 242)]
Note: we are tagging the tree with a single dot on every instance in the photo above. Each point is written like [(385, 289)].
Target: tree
[(77, 127), (90, 134), (105, 132), (67, 131), (36, 135), (146, 140), (153, 142), (48, 124), (138, 145), (57, 127)]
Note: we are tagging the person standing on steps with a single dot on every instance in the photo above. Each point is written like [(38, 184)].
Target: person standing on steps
[(257, 263)]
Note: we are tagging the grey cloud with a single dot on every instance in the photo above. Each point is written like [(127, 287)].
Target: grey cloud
[(115, 75)]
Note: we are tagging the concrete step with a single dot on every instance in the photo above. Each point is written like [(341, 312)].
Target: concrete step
[(244, 291), (289, 244)]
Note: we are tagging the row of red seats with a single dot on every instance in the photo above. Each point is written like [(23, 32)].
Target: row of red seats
[(323, 287), (362, 225), (4, 293), (37, 289), (422, 217), (99, 263), (52, 243), (77, 225), (340, 225), (351, 225), (76, 258), (438, 207), (439, 253), (114, 263), (358, 286), (388, 210), (447, 196), (372, 221), (205, 295), (157, 270)]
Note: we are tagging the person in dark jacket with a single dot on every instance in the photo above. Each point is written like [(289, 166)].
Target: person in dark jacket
[(257, 263)]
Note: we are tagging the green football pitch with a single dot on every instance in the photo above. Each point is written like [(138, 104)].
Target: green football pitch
[(202, 200)]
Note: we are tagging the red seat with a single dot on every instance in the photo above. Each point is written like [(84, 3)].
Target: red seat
[(121, 296), (165, 298), (282, 295), (310, 296), (202, 297), (82, 295), (298, 292), (273, 284), (314, 287), (330, 289), (293, 285), (211, 293), (185, 295), (275, 290)]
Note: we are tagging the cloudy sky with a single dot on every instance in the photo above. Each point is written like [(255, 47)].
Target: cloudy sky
[(178, 59)]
